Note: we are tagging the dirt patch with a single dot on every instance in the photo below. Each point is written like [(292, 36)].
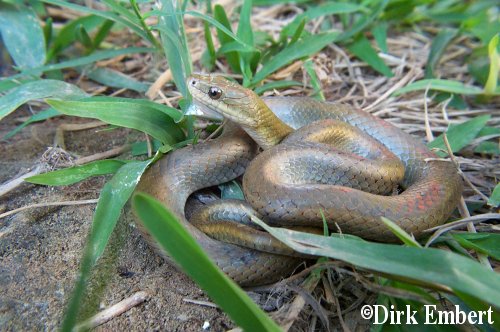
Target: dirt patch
[(40, 249)]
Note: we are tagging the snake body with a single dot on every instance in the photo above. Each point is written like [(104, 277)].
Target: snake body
[(318, 158)]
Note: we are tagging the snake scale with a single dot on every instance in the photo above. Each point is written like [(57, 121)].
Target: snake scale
[(317, 158)]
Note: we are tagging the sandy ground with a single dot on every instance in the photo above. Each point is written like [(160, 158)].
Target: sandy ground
[(40, 249)]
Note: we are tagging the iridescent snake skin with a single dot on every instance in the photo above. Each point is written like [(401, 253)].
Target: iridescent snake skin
[(342, 162)]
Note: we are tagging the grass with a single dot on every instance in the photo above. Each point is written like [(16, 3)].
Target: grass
[(393, 58)]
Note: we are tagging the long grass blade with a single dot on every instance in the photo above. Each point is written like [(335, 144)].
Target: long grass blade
[(22, 35), (71, 175), (427, 266), (174, 238), (37, 90), (122, 112), (113, 197)]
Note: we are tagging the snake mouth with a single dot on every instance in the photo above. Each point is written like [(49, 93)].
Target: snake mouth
[(203, 111)]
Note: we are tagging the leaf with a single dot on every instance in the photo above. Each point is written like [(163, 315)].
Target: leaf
[(245, 32), (427, 266), (22, 35), (305, 47), (486, 243), (400, 233), (174, 238), (231, 190), (85, 60), (380, 34), (37, 90), (328, 8), (364, 20), (102, 13), (208, 58), (124, 113), (438, 46), (492, 81), (440, 85), (459, 135), (362, 48), (174, 45), (488, 147), (141, 148), (494, 199), (233, 58), (275, 2), (113, 197), (76, 174), (217, 24), (115, 79), (67, 35), (315, 82), (40, 116), (275, 85)]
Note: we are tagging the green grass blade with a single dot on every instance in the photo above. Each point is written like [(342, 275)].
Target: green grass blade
[(380, 34), (459, 135), (173, 113), (124, 113), (492, 81), (328, 8), (171, 33), (225, 38), (102, 33), (231, 190), (440, 85), (364, 21), (70, 175), (105, 14), (116, 7), (113, 197), (275, 85), (438, 46), (22, 35), (494, 199), (115, 79), (40, 116), (66, 35), (315, 82), (427, 266), (37, 90), (486, 243), (305, 47), (208, 58), (362, 49), (400, 233), (174, 238), (85, 60), (297, 33), (276, 2), (218, 25), (244, 31), (488, 148)]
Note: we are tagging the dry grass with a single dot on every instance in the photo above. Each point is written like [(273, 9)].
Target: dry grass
[(341, 290)]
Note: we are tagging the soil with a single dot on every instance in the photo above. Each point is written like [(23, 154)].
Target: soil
[(40, 249)]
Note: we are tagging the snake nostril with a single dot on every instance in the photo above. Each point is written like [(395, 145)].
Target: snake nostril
[(193, 82)]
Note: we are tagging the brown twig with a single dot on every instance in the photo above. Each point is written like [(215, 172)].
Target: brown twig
[(38, 205), (114, 311)]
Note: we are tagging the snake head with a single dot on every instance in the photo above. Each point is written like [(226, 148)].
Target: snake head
[(216, 97)]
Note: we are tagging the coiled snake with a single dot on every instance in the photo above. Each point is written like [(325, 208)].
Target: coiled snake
[(342, 162)]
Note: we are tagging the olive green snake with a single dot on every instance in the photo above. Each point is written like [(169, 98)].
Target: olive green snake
[(318, 159)]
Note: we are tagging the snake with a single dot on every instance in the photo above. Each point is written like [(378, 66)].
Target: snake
[(303, 162)]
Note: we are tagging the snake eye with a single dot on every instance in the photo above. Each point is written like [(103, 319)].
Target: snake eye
[(214, 93)]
